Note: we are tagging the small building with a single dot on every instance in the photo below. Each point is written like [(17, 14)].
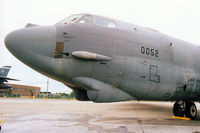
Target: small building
[(20, 90)]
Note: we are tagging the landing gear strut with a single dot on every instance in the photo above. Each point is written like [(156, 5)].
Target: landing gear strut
[(186, 108)]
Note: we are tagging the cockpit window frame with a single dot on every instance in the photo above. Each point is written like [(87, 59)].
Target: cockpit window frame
[(104, 20), (81, 15), (81, 18), (113, 22), (93, 22), (97, 23)]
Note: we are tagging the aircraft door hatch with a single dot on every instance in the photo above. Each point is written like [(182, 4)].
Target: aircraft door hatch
[(58, 53)]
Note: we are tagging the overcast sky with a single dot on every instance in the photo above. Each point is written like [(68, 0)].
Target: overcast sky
[(177, 18)]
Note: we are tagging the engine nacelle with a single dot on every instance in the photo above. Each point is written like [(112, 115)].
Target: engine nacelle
[(108, 95), (81, 95), (98, 91)]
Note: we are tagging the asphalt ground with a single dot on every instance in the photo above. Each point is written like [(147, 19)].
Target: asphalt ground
[(68, 116)]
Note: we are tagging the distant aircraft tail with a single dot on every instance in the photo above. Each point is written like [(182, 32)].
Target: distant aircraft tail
[(3, 77), (4, 71)]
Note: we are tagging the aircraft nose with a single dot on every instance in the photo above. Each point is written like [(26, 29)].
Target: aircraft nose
[(31, 40), (11, 38)]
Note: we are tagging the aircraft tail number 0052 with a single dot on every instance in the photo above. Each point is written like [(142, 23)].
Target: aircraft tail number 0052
[(149, 51)]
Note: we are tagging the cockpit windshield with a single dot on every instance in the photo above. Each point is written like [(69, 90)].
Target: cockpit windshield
[(89, 19), (71, 19), (86, 20), (104, 22)]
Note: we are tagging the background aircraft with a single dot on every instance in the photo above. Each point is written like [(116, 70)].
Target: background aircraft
[(3, 77), (107, 60)]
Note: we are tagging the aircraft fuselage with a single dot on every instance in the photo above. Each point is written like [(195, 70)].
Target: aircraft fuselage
[(141, 63)]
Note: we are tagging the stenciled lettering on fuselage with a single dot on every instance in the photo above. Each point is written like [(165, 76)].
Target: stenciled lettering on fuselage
[(153, 74), (149, 51)]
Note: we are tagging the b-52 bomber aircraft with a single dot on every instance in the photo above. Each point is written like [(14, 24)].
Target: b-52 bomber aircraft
[(3, 77), (107, 60)]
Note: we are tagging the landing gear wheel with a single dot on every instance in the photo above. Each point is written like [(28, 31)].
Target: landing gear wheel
[(178, 109), (190, 110)]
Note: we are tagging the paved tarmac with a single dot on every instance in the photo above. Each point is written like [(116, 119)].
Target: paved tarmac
[(66, 116)]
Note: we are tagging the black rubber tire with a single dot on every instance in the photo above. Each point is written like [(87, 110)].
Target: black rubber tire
[(190, 110), (177, 110)]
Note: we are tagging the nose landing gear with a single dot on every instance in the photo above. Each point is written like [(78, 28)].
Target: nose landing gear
[(186, 108)]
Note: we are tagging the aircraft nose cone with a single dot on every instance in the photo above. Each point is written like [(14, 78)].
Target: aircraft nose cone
[(11, 38), (21, 43)]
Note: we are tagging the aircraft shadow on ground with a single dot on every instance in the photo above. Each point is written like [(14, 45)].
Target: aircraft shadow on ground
[(152, 108)]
